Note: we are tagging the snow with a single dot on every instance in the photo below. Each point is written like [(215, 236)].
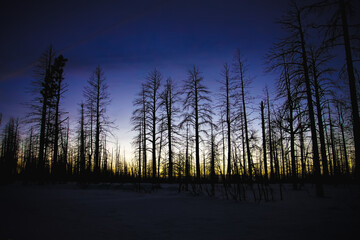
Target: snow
[(116, 211)]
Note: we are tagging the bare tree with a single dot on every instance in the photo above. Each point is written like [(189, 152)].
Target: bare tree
[(82, 140), (264, 139), (226, 105), (10, 144), (352, 84), (40, 113), (338, 32), (170, 97), (153, 96), (239, 69), (295, 43), (97, 100), (197, 103), (60, 88)]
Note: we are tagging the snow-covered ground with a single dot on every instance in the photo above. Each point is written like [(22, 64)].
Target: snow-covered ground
[(117, 212)]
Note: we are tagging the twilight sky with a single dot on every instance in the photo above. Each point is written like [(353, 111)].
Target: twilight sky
[(128, 38)]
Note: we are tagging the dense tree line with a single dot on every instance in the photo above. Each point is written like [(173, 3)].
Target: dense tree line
[(306, 130)]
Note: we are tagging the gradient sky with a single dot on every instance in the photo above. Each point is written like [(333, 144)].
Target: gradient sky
[(128, 39)]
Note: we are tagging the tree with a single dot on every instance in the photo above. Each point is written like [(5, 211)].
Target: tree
[(152, 93), (352, 85), (239, 69), (44, 85), (317, 59), (338, 32), (288, 88), (170, 97), (59, 89), (97, 100), (45, 113), (295, 44), (10, 144), (342, 130), (82, 140), (197, 103), (226, 106), (271, 146), (264, 139)]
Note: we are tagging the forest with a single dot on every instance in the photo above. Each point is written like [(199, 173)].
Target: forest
[(307, 131)]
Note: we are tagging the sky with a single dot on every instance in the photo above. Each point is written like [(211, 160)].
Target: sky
[(128, 39)]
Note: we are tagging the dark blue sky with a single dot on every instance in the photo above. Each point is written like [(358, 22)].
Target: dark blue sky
[(128, 39)]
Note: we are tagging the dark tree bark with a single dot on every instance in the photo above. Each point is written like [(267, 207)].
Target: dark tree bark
[(316, 74), (139, 121), (196, 101), (152, 88), (264, 139), (82, 140), (144, 127), (97, 99), (342, 129), (272, 172), (46, 96), (239, 68), (10, 146), (228, 116), (317, 173), (169, 98), (352, 85), (57, 72)]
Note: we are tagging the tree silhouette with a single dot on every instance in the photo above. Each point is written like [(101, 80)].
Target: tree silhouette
[(153, 96), (9, 150), (170, 97), (239, 69), (46, 83), (97, 100), (197, 103), (296, 44), (82, 140), (264, 139), (226, 105), (59, 88), (139, 122)]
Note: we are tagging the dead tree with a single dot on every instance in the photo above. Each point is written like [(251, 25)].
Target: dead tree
[(196, 101), (264, 139), (153, 95), (60, 89), (97, 100), (239, 69), (170, 97)]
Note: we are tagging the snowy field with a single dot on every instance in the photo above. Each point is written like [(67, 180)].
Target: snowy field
[(118, 212)]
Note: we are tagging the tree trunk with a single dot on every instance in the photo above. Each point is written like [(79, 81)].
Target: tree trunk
[(319, 117), (352, 85), (316, 162), (272, 175), (228, 120), (341, 123), (197, 142), (264, 138)]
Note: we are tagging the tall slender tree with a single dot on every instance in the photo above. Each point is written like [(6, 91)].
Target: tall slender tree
[(352, 84), (60, 88), (197, 103), (264, 139), (153, 95), (239, 70), (97, 100), (226, 106), (82, 140), (170, 97), (295, 44)]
